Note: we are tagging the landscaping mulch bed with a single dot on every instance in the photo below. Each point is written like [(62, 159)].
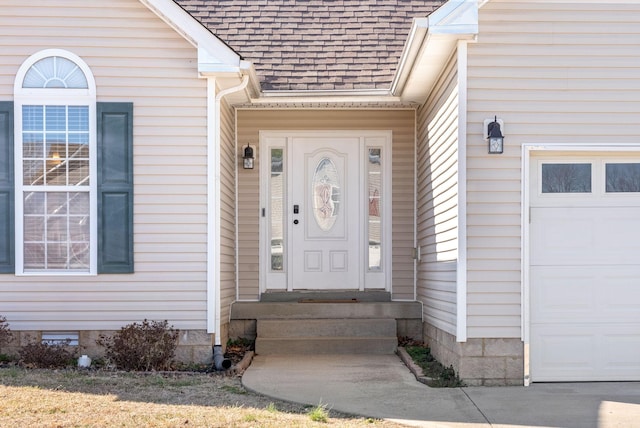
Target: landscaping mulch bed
[(417, 357)]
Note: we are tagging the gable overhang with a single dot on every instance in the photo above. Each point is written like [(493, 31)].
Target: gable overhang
[(215, 58), (430, 44)]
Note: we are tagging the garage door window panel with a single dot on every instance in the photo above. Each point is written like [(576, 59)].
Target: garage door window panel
[(622, 177), (566, 178)]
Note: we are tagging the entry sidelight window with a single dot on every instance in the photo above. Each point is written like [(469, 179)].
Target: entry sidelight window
[(276, 189), (374, 225)]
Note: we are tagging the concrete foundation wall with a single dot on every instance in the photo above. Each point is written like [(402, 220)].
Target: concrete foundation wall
[(245, 329), (478, 362), (194, 346)]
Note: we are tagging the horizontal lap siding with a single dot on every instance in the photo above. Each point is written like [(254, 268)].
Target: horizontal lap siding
[(134, 57), (400, 122), (228, 160), (555, 72), (437, 205)]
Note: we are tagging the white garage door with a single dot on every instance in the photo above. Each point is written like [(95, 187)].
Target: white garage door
[(585, 268)]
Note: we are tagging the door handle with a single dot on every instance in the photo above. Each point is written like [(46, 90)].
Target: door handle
[(296, 209)]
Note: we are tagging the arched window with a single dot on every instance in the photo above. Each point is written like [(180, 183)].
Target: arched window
[(55, 72), (55, 168)]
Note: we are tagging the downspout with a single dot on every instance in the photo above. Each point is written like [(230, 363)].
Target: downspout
[(213, 227)]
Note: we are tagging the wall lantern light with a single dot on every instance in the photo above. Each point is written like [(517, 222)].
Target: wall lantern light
[(247, 158), (494, 135)]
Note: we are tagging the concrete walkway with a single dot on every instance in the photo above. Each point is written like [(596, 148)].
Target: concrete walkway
[(381, 386)]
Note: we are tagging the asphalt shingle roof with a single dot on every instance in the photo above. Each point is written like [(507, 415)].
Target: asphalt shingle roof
[(315, 44)]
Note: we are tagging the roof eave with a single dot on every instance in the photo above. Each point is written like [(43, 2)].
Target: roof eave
[(329, 97), (215, 58), (430, 44)]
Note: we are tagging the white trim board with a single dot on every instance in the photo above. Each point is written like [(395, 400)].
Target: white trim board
[(461, 273)]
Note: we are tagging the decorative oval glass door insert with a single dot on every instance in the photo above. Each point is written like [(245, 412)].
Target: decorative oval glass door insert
[(325, 187)]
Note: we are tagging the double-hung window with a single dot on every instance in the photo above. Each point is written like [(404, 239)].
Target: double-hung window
[(56, 195), (66, 173), (55, 159)]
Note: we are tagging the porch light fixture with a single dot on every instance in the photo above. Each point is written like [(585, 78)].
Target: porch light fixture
[(495, 137), (247, 158)]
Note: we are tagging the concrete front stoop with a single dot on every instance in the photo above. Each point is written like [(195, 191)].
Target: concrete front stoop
[(326, 325)]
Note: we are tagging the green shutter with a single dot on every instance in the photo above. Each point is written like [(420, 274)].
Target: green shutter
[(115, 187), (7, 232)]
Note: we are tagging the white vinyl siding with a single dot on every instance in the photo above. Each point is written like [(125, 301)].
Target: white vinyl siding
[(555, 72), (228, 164), (401, 124), (437, 207), (134, 57)]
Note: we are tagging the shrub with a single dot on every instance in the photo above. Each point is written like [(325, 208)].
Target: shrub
[(5, 332), (47, 355), (145, 346)]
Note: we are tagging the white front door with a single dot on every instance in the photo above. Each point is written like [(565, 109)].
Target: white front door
[(326, 210), (326, 213)]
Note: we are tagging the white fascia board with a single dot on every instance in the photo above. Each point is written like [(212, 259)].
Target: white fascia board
[(430, 44), (210, 61), (213, 54), (412, 48), (326, 96)]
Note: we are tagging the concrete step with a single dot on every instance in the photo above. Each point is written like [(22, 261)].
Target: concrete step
[(326, 345), (333, 310), (327, 328), (245, 315), (326, 336)]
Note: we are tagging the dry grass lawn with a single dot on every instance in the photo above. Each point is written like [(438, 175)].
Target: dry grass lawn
[(81, 398)]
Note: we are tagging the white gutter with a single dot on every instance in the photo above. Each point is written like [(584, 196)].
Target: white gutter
[(429, 46), (413, 45), (326, 96), (213, 203), (327, 93)]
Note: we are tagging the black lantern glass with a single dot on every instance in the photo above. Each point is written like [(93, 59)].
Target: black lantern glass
[(495, 137), (247, 159)]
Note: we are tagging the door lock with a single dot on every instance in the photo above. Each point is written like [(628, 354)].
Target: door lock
[(295, 221)]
